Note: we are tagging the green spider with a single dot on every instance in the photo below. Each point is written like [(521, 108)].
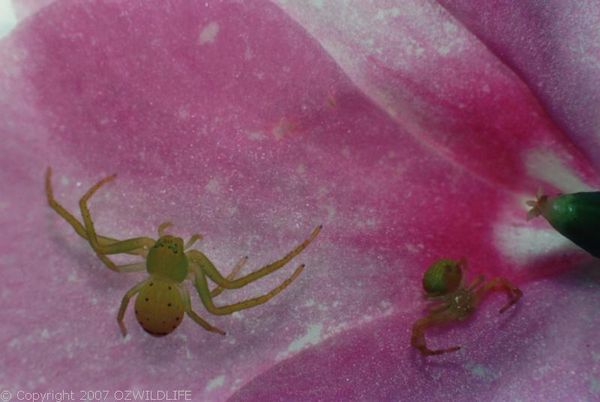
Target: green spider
[(162, 299), (452, 301)]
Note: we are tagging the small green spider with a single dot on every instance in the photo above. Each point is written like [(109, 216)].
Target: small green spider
[(452, 301), (162, 299)]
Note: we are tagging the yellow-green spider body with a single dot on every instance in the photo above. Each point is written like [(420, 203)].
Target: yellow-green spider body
[(162, 299), (159, 306)]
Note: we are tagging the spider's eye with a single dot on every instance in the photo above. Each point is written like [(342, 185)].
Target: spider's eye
[(173, 244), (442, 277)]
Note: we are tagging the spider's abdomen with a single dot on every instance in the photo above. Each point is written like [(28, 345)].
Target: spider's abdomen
[(159, 307), (442, 277)]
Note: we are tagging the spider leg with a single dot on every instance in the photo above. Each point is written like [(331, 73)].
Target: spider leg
[(202, 287), (197, 319), (514, 293), (75, 224), (476, 283), (207, 267), (135, 267), (125, 302), (162, 227), (122, 246), (195, 237), (462, 263), (236, 269), (417, 339), (437, 307)]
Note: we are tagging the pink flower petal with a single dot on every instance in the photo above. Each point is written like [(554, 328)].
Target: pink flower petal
[(544, 350), (232, 120), (553, 46)]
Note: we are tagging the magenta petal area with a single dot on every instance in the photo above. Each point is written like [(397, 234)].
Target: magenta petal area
[(504, 362), (443, 85), (553, 46), (241, 121)]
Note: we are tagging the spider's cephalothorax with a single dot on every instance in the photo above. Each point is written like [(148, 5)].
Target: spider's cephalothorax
[(167, 258), (461, 302), (452, 301), (162, 298)]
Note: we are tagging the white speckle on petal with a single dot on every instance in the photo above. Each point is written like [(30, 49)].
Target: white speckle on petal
[(72, 277), (248, 55), (208, 33), (346, 152), (312, 337), (318, 3), (256, 135), (213, 186), (595, 386), (480, 371), (215, 383), (183, 113), (331, 212)]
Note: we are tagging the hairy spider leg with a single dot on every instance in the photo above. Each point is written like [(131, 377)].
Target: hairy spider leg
[(125, 302), (514, 293), (81, 231), (197, 319), (162, 227), (122, 246), (202, 287), (438, 306), (476, 283), (77, 226), (417, 339), (236, 269), (195, 237), (208, 268)]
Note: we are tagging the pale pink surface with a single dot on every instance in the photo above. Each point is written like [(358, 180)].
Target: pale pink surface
[(554, 47), (360, 117)]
